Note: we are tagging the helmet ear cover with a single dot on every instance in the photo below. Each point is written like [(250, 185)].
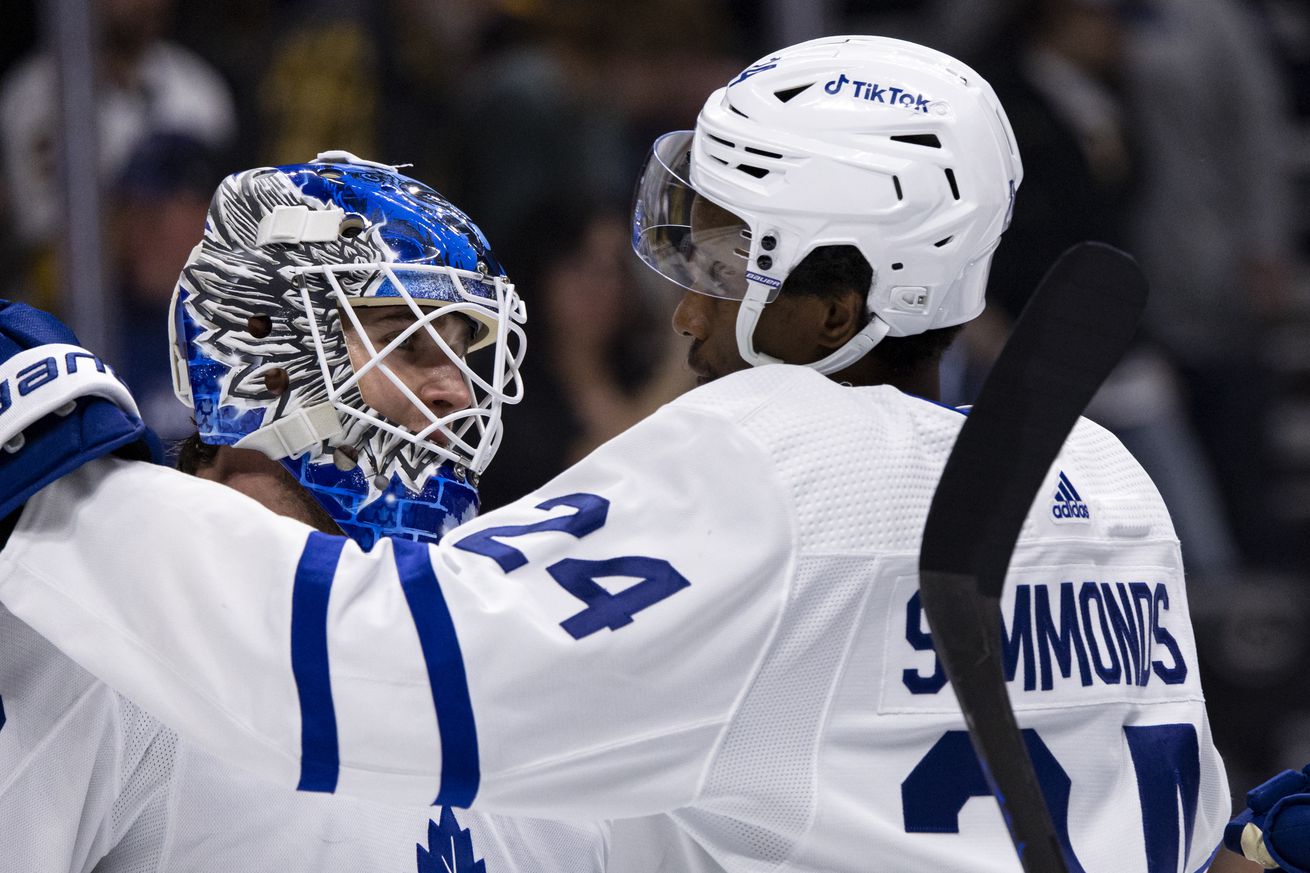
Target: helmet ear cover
[(259, 346), (891, 147)]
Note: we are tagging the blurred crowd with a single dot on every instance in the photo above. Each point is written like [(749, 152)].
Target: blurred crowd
[(1176, 129)]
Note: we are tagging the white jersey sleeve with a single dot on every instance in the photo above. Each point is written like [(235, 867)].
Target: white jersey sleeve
[(222, 819), (92, 782), (709, 627), (576, 654), (81, 767)]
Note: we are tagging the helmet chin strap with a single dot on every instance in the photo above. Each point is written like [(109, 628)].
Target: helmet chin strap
[(856, 347), (294, 434)]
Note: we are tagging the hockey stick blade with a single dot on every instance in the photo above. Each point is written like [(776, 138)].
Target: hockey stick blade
[(1069, 337)]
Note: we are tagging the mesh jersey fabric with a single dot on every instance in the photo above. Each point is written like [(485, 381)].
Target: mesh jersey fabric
[(223, 819), (83, 767), (92, 782), (862, 465), (782, 710)]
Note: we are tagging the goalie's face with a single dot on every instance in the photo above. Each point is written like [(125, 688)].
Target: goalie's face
[(418, 380)]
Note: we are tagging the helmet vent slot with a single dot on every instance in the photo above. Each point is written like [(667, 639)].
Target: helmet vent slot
[(955, 188), (720, 160), (942, 242), (352, 225), (787, 93), (928, 140), (762, 153), (722, 141), (896, 181), (277, 381), (738, 111), (757, 172), (259, 326), (898, 266)]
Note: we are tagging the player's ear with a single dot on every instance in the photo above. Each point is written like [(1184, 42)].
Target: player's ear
[(842, 319)]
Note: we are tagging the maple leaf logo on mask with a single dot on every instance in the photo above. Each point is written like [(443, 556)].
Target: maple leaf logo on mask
[(449, 849)]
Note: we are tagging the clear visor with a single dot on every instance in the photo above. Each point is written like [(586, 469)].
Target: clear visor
[(434, 351), (679, 233)]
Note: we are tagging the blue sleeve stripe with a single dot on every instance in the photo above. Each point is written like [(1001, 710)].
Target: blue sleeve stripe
[(319, 757), (460, 769)]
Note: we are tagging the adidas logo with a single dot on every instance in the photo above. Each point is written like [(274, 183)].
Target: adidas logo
[(1068, 505)]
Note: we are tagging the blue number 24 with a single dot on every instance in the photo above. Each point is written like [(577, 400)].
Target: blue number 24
[(657, 579)]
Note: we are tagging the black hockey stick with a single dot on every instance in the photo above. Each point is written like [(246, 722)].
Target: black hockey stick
[(1067, 340)]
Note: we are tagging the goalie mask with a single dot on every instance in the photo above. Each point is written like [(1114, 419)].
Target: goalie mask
[(891, 147), (277, 345)]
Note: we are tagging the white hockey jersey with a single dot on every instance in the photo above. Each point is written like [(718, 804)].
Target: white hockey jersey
[(89, 781), (221, 819), (82, 769), (710, 626)]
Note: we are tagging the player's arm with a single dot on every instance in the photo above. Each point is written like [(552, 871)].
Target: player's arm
[(577, 653)]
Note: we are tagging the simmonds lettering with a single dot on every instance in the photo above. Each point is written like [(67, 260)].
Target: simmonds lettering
[(1089, 633)]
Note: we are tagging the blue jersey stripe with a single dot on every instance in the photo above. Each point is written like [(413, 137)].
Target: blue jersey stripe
[(460, 769), (319, 758)]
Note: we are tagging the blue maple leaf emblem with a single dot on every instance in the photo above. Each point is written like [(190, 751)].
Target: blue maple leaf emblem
[(449, 849)]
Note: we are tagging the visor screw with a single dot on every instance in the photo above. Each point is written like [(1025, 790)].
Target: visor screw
[(769, 243), (764, 262), (482, 268), (381, 482)]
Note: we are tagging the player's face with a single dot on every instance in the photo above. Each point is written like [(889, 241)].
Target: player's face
[(789, 329), (418, 362), (719, 245)]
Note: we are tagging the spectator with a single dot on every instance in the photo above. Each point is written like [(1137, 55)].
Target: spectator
[(1063, 85), (155, 214), (602, 355), (147, 85), (1212, 229)]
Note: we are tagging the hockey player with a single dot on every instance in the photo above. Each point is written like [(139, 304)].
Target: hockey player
[(94, 780), (709, 628)]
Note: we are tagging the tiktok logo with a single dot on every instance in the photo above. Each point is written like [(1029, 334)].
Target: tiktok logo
[(875, 93)]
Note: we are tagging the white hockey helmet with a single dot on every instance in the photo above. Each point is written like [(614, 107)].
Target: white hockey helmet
[(885, 145)]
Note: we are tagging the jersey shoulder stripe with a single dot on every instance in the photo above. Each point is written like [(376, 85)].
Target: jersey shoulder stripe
[(320, 761), (460, 770)]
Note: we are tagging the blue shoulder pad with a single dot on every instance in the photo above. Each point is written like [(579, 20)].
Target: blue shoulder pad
[(60, 406)]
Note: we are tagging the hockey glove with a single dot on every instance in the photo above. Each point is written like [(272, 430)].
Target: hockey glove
[(60, 407), (1274, 829)]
